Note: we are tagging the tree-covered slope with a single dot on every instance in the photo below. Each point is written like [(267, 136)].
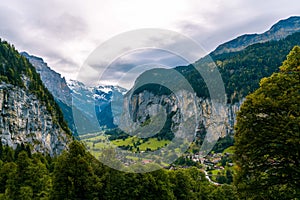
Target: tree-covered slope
[(241, 71)]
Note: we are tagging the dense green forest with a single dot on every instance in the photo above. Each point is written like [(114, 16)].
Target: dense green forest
[(13, 68), (76, 174)]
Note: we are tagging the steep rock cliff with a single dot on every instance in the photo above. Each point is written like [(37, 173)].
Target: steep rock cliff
[(217, 117), (28, 112), (24, 119)]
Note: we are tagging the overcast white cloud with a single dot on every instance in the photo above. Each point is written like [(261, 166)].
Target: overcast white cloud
[(65, 32)]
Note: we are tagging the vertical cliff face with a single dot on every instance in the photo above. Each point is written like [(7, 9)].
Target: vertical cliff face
[(57, 86), (28, 112), (217, 117), (25, 119), (224, 115)]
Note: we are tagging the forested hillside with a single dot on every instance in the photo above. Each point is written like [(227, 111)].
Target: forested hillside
[(241, 71)]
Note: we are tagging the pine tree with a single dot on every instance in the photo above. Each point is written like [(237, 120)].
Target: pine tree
[(73, 176)]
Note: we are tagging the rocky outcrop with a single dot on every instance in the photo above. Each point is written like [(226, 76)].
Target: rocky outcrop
[(54, 82), (25, 119)]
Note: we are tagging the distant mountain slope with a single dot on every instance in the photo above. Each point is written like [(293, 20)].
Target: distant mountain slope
[(241, 71), (279, 31), (54, 82), (98, 98), (28, 112)]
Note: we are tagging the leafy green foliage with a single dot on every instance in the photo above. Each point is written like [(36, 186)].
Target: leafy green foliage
[(267, 139)]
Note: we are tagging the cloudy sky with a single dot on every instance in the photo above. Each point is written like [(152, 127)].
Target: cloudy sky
[(64, 33)]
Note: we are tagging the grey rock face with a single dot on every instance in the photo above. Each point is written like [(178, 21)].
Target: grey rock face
[(213, 116), (24, 119), (54, 82)]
